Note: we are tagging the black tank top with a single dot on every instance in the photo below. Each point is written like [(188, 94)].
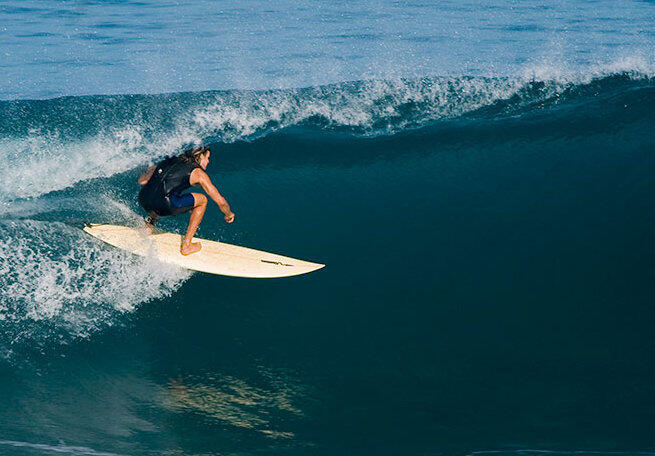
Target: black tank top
[(170, 176)]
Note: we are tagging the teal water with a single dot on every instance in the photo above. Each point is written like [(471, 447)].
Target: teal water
[(488, 242)]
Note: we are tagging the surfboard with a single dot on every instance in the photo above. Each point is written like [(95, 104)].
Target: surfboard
[(214, 257)]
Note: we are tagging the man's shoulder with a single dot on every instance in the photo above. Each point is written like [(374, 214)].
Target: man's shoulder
[(198, 174)]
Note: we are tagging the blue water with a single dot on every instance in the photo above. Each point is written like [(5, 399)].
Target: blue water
[(74, 47), (477, 176)]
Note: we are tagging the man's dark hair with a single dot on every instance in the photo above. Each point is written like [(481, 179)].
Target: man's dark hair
[(193, 155)]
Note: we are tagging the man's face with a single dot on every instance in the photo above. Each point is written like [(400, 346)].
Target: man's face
[(204, 160)]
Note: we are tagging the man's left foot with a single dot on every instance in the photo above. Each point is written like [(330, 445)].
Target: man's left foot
[(191, 248)]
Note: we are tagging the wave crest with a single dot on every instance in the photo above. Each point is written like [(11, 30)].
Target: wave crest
[(50, 145)]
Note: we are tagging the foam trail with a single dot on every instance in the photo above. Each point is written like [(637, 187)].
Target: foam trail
[(56, 284)]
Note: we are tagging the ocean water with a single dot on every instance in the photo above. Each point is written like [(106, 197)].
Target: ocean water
[(477, 177)]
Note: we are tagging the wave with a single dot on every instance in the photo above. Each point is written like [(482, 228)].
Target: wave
[(58, 285), (49, 145)]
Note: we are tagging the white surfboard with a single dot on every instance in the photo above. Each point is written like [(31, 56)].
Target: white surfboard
[(213, 258)]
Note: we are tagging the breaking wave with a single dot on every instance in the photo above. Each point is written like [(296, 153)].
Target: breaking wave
[(56, 284)]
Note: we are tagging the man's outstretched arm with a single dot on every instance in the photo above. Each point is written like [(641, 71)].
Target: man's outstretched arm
[(205, 182)]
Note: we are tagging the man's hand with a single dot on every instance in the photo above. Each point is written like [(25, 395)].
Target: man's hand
[(229, 218), (145, 177)]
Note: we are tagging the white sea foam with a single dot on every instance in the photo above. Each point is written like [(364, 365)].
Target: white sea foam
[(42, 163), (552, 67), (57, 283)]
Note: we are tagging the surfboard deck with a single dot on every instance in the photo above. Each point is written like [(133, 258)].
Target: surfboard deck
[(214, 257)]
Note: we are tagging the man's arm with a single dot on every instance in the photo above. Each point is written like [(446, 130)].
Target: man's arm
[(199, 177), (145, 177)]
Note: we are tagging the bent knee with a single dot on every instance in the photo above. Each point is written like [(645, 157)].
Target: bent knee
[(199, 199)]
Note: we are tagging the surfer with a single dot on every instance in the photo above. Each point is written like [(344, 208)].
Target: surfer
[(162, 195)]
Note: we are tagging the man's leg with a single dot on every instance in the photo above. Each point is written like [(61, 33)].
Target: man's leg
[(199, 206)]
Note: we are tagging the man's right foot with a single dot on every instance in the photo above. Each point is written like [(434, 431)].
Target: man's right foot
[(191, 248)]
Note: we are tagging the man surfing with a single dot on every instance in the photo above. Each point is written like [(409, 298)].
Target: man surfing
[(162, 195)]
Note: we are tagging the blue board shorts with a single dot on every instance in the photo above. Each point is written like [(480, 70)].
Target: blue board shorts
[(179, 203), (173, 204)]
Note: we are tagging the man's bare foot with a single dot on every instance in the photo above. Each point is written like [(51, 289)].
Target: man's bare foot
[(149, 228), (191, 248)]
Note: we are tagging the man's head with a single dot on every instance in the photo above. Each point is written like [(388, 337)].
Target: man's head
[(200, 155)]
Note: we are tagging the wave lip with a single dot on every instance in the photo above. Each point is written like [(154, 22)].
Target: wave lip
[(49, 145)]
